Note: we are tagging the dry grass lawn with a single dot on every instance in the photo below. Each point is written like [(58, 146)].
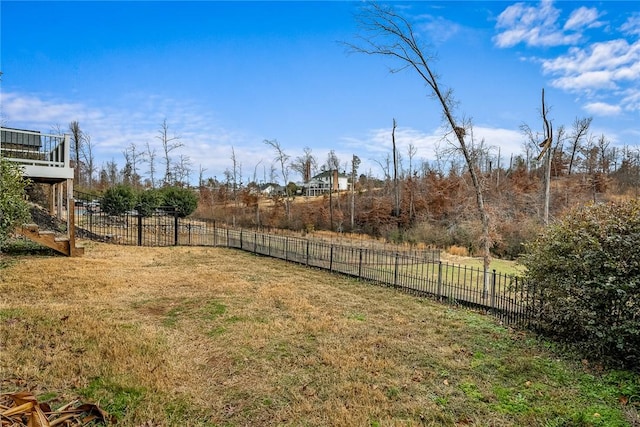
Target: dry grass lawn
[(185, 336)]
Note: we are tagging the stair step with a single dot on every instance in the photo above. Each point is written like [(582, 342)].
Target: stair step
[(61, 239), (46, 233), (30, 227)]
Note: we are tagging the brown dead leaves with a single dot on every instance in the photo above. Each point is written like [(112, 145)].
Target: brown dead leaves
[(23, 410)]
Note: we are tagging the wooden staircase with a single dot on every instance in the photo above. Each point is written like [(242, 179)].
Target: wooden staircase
[(61, 244), (40, 230)]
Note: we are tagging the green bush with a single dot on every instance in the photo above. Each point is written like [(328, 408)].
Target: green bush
[(148, 201), (585, 270), (118, 200), (183, 200), (13, 208)]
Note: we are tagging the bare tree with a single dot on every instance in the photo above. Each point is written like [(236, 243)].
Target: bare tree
[(546, 149), (557, 157), (169, 143), (390, 34), (283, 160), (134, 157), (411, 152), (306, 165), (396, 187), (182, 170), (151, 159), (255, 172), (355, 163), (333, 162), (580, 129), (127, 173), (77, 138), (604, 154), (386, 166), (333, 166), (234, 175), (88, 160), (201, 171), (109, 174)]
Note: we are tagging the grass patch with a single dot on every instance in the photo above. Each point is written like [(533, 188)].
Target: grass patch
[(114, 397), (502, 266), (18, 246), (240, 340)]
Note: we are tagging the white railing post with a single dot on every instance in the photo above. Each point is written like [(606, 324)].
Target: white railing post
[(67, 158)]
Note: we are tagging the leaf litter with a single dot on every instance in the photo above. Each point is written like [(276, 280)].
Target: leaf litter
[(22, 409)]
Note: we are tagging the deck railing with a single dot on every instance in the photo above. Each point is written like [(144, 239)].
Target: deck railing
[(31, 148)]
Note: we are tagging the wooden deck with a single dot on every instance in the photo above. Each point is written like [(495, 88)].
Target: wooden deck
[(45, 159)]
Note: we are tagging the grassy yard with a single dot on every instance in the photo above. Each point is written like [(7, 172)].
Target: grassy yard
[(185, 336)]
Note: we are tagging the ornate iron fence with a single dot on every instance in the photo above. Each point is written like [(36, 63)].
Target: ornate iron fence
[(418, 272)]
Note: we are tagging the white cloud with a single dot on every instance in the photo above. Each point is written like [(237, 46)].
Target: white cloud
[(609, 55), (18, 108), (206, 143), (602, 109), (378, 144), (509, 141), (539, 26), (632, 25), (631, 99), (601, 72), (583, 17), (438, 29), (600, 69), (587, 82)]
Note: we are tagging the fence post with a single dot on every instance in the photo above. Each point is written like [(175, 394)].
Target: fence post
[(139, 228), (331, 258), (175, 227), (360, 265), (255, 242), (286, 248), (395, 272), (485, 280), (440, 279), (240, 239), (307, 252), (228, 237), (493, 291)]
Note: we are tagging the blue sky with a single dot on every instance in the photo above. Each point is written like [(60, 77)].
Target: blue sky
[(228, 75)]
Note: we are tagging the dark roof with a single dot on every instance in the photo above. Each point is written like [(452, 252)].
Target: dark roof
[(328, 174)]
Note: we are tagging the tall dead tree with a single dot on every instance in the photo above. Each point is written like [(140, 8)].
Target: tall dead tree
[(545, 146), (580, 129), (134, 157), (355, 163), (88, 160), (283, 159), (391, 35), (396, 186), (77, 138), (151, 159), (169, 143), (306, 165)]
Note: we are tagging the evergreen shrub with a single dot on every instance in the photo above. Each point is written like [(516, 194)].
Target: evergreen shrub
[(585, 273)]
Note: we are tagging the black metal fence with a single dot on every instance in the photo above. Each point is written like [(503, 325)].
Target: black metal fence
[(420, 272)]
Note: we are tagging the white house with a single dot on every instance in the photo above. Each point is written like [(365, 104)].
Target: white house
[(326, 181), (270, 189)]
